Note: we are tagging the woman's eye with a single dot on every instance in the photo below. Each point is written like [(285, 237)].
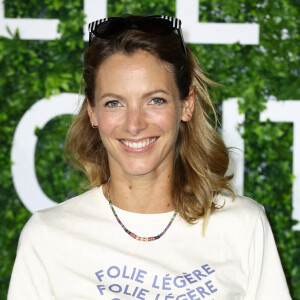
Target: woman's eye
[(113, 103), (158, 101)]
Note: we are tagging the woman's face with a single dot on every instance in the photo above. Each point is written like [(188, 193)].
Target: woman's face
[(138, 112)]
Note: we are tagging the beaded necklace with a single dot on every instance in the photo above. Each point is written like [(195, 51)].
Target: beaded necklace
[(133, 235)]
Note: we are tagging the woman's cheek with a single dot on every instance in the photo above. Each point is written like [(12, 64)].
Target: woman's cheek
[(166, 120), (108, 121)]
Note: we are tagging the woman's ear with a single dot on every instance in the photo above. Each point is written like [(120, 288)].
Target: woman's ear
[(92, 115), (188, 106)]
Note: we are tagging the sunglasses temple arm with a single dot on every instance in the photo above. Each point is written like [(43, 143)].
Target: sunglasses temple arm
[(183, 43)]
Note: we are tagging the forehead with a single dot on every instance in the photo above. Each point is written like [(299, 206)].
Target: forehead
[(140, 70)]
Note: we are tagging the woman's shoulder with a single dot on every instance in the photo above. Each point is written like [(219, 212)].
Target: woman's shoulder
[(80, 203), (66, 212), (239, 211), (238, 204)]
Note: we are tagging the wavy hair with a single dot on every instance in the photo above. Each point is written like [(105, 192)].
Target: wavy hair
[(201, 158)]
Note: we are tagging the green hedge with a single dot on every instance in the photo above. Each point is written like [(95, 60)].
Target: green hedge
[(32, 70)]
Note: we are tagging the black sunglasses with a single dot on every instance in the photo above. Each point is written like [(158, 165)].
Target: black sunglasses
[(109, 28)]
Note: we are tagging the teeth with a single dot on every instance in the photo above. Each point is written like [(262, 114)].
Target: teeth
[(138, 145)]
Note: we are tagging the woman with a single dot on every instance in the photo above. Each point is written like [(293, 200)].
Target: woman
[(161, 221)]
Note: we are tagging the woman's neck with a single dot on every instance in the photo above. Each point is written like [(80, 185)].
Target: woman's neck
[(151, 193)]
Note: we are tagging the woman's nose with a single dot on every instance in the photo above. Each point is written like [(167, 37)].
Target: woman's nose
[(135, 120)]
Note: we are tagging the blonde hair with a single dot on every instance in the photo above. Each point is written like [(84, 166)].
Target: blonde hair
[(201, 158)]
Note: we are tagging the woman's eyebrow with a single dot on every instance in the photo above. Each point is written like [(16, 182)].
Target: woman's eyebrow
[(111, 95), (116, 96), (155, 92)]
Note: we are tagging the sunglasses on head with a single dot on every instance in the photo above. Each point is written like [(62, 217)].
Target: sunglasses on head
[(109, 28)]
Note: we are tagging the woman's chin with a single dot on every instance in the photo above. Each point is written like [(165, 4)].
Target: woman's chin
[(139, 169)]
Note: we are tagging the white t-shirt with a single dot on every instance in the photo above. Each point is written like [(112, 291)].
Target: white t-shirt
[(77, 250)]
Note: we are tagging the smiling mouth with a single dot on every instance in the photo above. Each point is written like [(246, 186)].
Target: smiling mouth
[(140, 144)]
